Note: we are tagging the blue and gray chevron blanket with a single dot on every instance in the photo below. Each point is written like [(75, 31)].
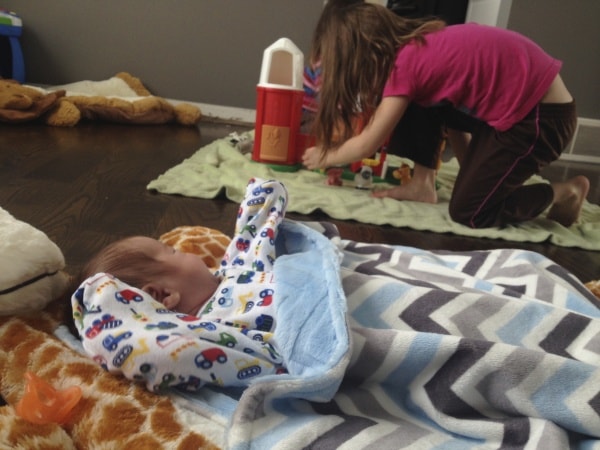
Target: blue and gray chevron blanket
[(444, 350), (393, 347)]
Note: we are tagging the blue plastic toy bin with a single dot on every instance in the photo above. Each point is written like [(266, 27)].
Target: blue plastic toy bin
[(12, 64)]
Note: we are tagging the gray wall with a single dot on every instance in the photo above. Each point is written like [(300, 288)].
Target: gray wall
[(206, 51), (569, 31), (210, 51)]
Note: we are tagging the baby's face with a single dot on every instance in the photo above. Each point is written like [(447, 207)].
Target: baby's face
[(185, 273)]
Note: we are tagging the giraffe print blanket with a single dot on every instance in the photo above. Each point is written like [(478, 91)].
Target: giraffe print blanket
[(113, 412)]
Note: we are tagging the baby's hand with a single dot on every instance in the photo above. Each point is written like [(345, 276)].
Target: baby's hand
[(313, 158)]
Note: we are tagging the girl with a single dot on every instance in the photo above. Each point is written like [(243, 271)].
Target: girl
[(500, 97)]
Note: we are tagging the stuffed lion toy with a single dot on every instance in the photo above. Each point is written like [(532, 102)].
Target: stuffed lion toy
[(121, 99)]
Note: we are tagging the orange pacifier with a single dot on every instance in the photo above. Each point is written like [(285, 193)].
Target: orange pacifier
[(42, 403)]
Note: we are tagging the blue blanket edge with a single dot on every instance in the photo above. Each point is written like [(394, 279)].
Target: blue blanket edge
[(312, 331)]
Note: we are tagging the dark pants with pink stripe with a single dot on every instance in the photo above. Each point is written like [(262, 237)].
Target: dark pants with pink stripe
[(489, 189)]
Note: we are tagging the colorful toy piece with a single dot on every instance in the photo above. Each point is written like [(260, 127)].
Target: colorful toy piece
[(41, 403), (403, 173), (334, 176), (377, 164), (364, 178)]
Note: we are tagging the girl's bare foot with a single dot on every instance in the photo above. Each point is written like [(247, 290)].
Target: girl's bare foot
[(408, 192), (421, 188), (568, 200)]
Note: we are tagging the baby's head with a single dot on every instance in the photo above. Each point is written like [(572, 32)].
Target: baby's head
[(180, 281)]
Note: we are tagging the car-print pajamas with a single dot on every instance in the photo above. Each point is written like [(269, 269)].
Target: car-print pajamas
[(231, 341)]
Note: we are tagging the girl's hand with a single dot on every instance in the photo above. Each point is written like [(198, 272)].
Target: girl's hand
[(313, 158)]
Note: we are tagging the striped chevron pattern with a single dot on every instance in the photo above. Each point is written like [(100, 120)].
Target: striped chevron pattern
[(475, 350), (493, 349)]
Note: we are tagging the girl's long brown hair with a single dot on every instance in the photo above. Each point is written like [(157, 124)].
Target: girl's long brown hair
[(356, 44)]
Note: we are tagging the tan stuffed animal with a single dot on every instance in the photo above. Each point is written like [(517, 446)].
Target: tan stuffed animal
[(122, 98), (20, 103), (207, 243)]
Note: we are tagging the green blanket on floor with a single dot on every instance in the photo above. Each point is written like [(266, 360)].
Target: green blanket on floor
[(221, 166)]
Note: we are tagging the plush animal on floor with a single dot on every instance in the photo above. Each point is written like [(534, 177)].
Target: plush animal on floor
[(20, 103), (121, 99)]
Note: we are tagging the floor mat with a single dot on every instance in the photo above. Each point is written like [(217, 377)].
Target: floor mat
[(220, 166)]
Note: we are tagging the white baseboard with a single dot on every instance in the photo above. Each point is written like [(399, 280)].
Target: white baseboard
[(580, 158), (585, 145), (225, 113)]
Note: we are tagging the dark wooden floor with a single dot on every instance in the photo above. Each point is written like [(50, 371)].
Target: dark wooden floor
[(85, 186)]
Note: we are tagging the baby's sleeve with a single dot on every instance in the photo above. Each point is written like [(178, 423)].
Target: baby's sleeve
[(257, 224)]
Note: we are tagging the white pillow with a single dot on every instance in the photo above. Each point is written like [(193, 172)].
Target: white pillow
[(31, 267)]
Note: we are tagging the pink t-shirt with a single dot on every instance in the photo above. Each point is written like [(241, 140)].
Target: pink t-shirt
[(493, 74)]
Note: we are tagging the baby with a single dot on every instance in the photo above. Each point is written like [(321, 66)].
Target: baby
[(234, 304)]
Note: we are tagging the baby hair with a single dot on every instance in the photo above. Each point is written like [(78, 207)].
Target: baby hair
[(125, 261)]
